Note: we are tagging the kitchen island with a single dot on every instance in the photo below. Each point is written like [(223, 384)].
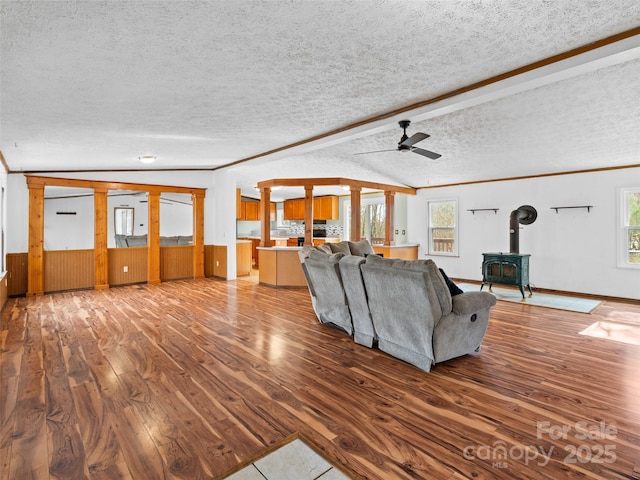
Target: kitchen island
[(406, 251), (281, 267)]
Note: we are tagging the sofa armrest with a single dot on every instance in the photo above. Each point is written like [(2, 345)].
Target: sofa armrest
[(471, 302)]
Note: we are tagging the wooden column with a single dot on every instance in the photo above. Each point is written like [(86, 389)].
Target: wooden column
[(35, 258), (198, 234), (355, 213), (153, 238), (389, 198), (308, 215), (265, 215), (100, 229)]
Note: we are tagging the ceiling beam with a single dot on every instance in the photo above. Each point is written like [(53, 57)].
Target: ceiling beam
[(331, 182), (34, 180)]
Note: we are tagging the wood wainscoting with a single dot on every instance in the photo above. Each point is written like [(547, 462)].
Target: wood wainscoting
[(176, 262), (68, 270), (74, 269), (215, 261), (135, 259), (17, 274)]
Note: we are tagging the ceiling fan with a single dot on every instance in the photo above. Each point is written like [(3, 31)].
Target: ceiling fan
[(406, 143)]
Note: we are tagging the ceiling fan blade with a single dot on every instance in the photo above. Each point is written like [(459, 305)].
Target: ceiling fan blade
[(413, 139), (426, 153), (377, 151)]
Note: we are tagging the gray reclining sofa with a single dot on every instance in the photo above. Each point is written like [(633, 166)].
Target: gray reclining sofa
[(404, 306)]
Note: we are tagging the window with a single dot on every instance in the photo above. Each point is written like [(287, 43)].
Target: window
[(443, 232), (123, 220), (630, 232), (372, 219)]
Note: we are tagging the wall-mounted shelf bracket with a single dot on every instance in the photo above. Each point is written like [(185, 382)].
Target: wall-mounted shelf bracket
[(474, 210), (588, 207)]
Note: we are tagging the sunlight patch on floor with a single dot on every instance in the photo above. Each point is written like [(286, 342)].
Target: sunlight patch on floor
[(616, 331)]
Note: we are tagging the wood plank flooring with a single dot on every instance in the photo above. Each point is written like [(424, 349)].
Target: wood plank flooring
[(190, 379)]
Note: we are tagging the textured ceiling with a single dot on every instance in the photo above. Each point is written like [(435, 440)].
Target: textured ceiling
[(93, 85)]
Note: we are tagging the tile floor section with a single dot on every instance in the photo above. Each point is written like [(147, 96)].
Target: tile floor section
[(562, 302), (293, 461)]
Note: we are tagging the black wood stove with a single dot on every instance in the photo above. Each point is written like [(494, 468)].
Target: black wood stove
[(510, 268)]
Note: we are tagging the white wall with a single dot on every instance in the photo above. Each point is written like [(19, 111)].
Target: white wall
[(69, 232), (176, 214), (17, 214), (573, 250), (3, 220), (224, 216)]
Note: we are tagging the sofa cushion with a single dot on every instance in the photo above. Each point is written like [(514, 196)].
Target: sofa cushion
[(185, 240), (361, 248), (321, 256), (121, 240), (168, 241), (363, 331), (325, 247), (325, 284), (421, 265), (137, 241), (342, 247)]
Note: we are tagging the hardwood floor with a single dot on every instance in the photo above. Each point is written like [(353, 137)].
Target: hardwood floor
[(190, 379)]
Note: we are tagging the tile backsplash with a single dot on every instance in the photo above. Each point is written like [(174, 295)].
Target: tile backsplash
[(331, 229)]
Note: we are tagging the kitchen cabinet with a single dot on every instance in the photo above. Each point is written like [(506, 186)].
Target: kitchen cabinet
[(249, 211), (324, 208), (294, 209), (243, 258), (272, 211)]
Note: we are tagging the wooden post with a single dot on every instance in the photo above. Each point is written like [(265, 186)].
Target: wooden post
[(153, 238), (355, 212), (198, 234), (389, 198), (100, 229), (265, 214), (308, 214), (35, 261)]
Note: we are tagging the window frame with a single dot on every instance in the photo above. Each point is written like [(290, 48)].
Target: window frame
[(130, 219), (456, 228), (624, 228)]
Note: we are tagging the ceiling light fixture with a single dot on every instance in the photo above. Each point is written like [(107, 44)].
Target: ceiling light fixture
[(147, 158)]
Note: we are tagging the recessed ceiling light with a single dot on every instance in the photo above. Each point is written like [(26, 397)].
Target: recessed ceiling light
[(147, 158)]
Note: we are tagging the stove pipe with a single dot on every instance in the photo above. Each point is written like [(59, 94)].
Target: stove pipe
[(524, 215)]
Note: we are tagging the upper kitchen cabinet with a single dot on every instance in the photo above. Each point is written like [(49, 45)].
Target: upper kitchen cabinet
[(294, 209), (250, 210), (324, 208)]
